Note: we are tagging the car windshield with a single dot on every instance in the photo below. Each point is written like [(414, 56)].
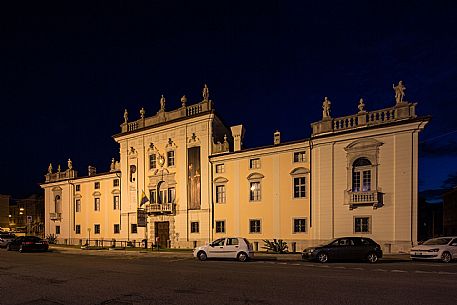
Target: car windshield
[(437, 241), (329, 242)]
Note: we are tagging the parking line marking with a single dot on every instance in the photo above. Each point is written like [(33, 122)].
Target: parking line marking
[(398, 271)]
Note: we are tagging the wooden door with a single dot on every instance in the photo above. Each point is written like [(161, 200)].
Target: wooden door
[(162, 231)]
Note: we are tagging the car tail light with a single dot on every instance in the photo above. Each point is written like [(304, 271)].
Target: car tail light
[(27, 243)]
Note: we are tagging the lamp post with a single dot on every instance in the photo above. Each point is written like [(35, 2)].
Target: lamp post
[(88, 242)]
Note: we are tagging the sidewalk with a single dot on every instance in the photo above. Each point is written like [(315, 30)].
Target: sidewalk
[(264, 256)]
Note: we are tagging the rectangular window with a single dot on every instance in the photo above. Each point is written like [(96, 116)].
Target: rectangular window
[(78, 187), (116, 203), (299, 187), (171, 158), (254, 191), (220, 168), (194, 227), (57, 229), (361, 224), (78, 229), (117, 228), (78, 205), (254, 226), (97, 204), (254, 163), (97, 229), (220, 226), (220, 193), (116, 182), (152, 161), (97, 185), (299, 156), (171, 195), (152, 196), (300, 225), (133, 228)]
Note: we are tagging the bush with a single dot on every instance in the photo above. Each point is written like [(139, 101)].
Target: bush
[(277, 246), (52, 239)]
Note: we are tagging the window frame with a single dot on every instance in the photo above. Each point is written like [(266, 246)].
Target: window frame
[(255, 195), (220, 168), (97, 204), (78, 205), (253, 225), (300, 186), (78, 229), (194, 227), (116, 203), (116, 182), (97, 185), (118, 227), (294, 225), (299, 157), (255, 163), (368, 225), (221, 196), (97, 228), (171, 155), (152, 161), (57, 230), (220, 229), (134, 228)]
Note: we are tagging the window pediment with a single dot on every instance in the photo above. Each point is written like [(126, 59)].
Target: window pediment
[(115, 192), (255, 176), (363, 144), (299, 171), (220, 180), (96, 194)]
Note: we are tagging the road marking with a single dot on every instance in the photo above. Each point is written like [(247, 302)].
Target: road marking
[(420, 271), (398, 271), (381, 270), (341, 267), (444, 272), (178, 259)]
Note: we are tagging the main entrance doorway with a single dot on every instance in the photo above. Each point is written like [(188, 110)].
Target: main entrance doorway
[(162, 231)]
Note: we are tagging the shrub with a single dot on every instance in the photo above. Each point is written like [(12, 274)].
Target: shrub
[(277, 246), (52, 239)]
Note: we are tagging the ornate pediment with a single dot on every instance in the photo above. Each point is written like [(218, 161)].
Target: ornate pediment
[(220, 180), (255, 176), (299, 171)]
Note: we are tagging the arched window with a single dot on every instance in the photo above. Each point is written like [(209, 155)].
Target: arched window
[(58, 204), (361, 175)]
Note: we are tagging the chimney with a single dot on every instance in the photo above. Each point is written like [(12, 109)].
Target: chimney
[(277, 137), (238, 135), (92, 170)]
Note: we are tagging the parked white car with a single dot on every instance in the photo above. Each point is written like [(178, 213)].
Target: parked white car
[(441, 248), (227, 247)]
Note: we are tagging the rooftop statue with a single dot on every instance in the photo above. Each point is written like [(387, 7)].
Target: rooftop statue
[(70, 164), (399, 92), (162, 103), (50, 168), (205, 93), (361, 105), (183, 101), (126, 116), (142, 112), (58, 168), (326, 108)]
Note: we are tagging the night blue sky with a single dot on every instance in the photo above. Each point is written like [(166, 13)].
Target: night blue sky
[(68, 71)]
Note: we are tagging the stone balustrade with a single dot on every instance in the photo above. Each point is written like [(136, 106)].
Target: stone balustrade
[(163, 208), (400, 111), (165, 116), (68, 174), (362, 198)]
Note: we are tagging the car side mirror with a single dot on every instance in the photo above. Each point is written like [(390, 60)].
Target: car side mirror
[(211, 245)]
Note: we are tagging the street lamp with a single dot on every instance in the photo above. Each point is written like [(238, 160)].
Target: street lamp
[(88, 242)]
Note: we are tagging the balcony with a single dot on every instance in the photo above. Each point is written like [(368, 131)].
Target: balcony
[(164, 208), (354, 199), (55, 216)]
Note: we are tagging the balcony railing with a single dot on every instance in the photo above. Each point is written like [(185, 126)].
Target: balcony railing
[(163, 208), (363, 198), (55, 216)]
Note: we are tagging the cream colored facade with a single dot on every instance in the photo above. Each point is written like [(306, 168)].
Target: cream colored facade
[(355, 175)]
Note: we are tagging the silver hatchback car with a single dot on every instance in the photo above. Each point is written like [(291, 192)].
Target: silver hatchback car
[(227, 247), (5, 238)]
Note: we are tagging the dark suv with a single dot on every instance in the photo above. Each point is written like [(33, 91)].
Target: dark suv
[(345, 248)]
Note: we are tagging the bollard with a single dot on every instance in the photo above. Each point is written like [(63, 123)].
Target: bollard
[(294, 247)]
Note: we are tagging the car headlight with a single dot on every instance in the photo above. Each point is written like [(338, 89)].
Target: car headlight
[(433, 250)]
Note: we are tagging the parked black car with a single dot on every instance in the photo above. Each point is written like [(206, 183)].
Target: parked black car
[(27, 243), (348, 248)]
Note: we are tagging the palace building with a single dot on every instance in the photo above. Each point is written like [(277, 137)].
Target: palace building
[(183, 178)]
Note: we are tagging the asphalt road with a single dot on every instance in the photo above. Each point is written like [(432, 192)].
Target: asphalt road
[(78, 278)]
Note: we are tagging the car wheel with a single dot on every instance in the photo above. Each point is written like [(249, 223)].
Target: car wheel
[(242, 257), (202, 256), (446, 257), (322, 257), (20, 249), (372, 258)]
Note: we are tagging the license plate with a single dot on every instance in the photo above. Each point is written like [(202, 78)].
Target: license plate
[(419, 253), (38, 243)]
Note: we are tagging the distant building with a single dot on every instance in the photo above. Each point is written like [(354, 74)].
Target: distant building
[(430, 214), (184, 178), (4, 211), (27, 215), (450, 212)]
